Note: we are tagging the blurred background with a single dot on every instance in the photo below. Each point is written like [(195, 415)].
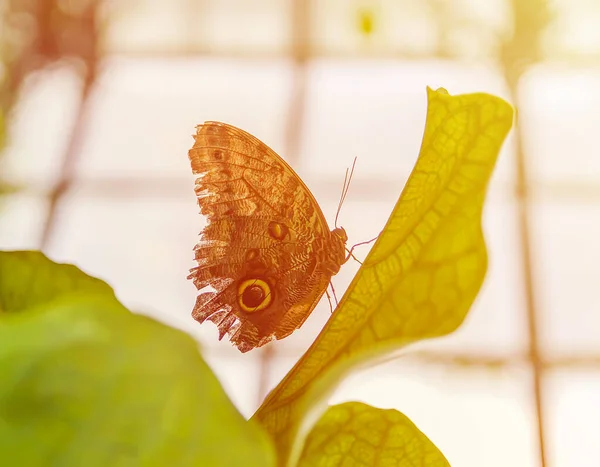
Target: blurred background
[(98, 102)]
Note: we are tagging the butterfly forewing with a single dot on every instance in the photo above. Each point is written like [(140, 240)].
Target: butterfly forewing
[(261, 255)]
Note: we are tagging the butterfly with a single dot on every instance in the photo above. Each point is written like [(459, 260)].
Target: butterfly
[(266, 254)]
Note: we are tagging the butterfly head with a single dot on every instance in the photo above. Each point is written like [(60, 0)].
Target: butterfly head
[(337, 251), (340, 234)]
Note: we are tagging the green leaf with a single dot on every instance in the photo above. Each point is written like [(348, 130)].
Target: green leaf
[(86, 382), (356, 434), (421, 276), (29, 279)]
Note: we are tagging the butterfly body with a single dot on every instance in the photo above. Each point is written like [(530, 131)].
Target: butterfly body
[(266, 255)]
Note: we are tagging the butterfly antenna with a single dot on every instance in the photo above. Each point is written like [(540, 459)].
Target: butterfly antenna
[(345, 188), (341, 198), (349, 180)]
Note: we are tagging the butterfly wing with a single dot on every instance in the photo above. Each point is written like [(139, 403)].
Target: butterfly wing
[(259, 269)]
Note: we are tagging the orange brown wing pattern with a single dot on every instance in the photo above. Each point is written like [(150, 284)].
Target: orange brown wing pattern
[(259, 269)]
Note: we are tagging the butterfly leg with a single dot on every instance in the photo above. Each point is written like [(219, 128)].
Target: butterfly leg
[(350, 255), (334, 295), (329, 299)]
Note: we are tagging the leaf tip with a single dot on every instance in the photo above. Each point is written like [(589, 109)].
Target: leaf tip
[(431, 91)]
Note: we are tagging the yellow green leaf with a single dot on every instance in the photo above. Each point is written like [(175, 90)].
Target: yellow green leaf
[(356, 434), (421, 276)]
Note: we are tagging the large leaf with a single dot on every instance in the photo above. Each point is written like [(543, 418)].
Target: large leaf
[(29, 279), (87, 383), (356, 434), (422, 274)]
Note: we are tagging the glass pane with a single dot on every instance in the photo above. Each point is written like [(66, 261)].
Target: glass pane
[(573, 405)]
